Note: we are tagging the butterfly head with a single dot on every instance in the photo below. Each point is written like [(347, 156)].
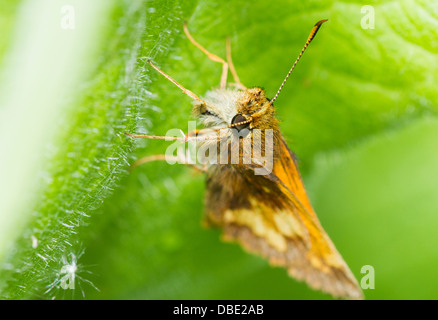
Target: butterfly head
[(239, 109)]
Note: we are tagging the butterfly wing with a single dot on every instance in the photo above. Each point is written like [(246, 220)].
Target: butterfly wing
[(272, 216)]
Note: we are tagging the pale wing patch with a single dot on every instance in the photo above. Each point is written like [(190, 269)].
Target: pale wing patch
[(287, 224), (259, 226), (275, 227)]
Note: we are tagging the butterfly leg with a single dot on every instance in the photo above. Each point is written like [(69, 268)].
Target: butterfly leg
[(195, 135), (184, 90), (211, 56), (237, 82), (164, 157)]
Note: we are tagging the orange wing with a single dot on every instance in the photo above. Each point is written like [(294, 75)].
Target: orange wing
[(272, 216)]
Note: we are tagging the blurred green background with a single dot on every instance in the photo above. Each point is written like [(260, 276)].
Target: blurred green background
[(359, 111)]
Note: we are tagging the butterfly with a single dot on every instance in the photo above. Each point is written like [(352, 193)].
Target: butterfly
[(267, 213)]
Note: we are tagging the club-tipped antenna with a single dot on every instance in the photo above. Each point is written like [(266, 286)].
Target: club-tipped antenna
[(309, 39)]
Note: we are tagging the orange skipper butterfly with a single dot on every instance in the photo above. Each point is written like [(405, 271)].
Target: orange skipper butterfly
[(256, 194)]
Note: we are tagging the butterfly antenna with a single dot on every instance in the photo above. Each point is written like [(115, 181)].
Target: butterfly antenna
[(309, 39)]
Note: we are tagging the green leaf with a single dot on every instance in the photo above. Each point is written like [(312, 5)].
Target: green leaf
[(93, 83), (359, 111)]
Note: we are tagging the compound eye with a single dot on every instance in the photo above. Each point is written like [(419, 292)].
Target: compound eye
[(202, 108), (237, 119)]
